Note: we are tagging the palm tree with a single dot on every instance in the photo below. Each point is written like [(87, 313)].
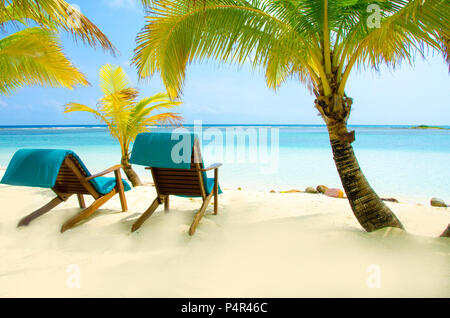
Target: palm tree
[(318, 42), (446, 232), (124, 115), (33, 55)]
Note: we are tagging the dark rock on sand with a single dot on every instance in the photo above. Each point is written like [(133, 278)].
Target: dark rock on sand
[(310, 190), (438, 202), (321, 188)]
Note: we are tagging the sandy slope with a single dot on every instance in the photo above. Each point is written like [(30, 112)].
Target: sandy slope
[(260, 245)]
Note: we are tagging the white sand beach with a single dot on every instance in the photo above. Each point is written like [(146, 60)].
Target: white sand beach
[(260, 245)]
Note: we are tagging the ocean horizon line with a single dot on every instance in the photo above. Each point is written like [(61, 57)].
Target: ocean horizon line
[(220, 125)]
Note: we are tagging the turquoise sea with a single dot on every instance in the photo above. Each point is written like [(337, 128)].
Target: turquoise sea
[(397, 160)]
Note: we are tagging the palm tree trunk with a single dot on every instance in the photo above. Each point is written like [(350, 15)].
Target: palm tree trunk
[(446, 233), (367, 207), (131, 174)]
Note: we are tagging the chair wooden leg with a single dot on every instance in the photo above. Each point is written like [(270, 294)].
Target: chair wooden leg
[(46, 208), (200, 214), (166, 204), (146, 214), (87, 212), (121, 191), (81, 201), (216, 191), (216, 204)]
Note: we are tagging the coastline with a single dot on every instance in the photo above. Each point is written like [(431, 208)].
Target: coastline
[(430, 127), (406, 164), (260, 244), (207, 156), (205, 125)]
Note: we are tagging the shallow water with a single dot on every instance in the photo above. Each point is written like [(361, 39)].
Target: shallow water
[(397, 161)]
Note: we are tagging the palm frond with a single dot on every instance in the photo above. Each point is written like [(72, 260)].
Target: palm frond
[(55, 14), (446, 49), (226, 30), (164, 119), (76, 107), (118, 108), (34, 57), (407, 29), (318, 42), (113, 79), (161, 100), (148, 4), (139, 115)]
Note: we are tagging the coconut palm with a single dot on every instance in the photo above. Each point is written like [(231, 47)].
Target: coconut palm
[(446, 232), (318, 42), (124, 115), (32, 55)]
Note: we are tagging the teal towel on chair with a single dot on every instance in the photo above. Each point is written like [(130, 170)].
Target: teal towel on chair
[(167, 150), (209, 184), (104, 185), (159, 150), (40, 168)]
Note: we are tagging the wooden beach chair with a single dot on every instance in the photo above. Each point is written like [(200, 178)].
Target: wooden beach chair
[(187, 179), (63, 172)]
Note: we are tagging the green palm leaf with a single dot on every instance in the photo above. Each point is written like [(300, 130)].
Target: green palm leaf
[(223, 30), (34, 56), (124, 116), (317, 41), (54, 15)]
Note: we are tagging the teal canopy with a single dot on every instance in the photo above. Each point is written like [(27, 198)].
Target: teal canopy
[(167, 150), (40, 168)]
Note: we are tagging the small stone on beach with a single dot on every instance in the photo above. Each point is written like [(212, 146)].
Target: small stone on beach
[(291, 191), (438, 203), (273, 191), (334, 193), (321, 188), (310, 190)]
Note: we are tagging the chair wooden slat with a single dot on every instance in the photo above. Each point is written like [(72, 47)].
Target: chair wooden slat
[(183, 182), (71, 179)]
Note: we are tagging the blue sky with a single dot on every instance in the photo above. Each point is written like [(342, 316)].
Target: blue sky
[(226, 94)]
